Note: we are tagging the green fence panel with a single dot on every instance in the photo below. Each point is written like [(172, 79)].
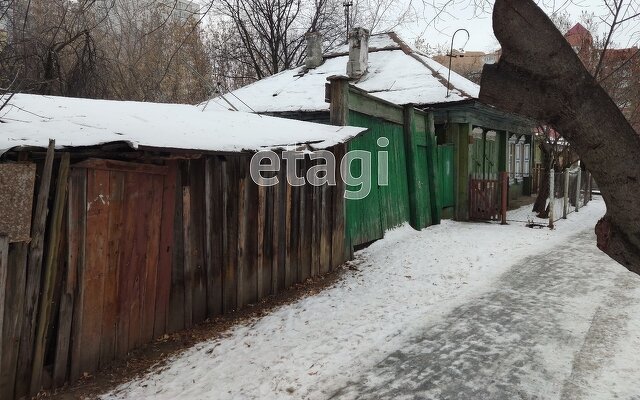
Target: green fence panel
[(421, 184), (446, 175), (386, 206)]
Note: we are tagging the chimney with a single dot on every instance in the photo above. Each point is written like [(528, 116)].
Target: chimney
[(314, 50), (358, 52)]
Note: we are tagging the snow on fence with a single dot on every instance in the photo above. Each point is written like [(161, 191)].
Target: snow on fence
[(567, 192), (571, 190)]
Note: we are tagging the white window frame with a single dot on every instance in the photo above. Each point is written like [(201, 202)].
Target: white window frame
[(527, 159), (511, 165)]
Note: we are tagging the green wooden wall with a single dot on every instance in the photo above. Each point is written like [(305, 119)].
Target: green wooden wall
[(446, 173), (411, 194), (386, 206)]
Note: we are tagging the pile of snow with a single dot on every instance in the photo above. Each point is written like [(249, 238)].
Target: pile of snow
[(313, 347), (31, 120)]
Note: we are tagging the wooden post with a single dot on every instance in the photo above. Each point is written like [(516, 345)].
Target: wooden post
[(578, 183), (50, 274), (587, 194), (339, 99), (552, 196), (410, 148), (432, 168), (4, 269), (460, 134), (565, 204), (34, 272), (338, 96), (504, 191)]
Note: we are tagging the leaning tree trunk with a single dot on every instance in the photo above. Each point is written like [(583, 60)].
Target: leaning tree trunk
[(540, 205), (540, 76)]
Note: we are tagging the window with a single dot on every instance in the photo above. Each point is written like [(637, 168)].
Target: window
[(527, 162), (518, 169), (490, 59), (511, 165)]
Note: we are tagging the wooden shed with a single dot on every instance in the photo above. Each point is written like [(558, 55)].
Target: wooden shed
[(140, 219)]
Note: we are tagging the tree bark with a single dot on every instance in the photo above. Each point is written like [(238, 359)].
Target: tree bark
[(541, 77), (540, 205)]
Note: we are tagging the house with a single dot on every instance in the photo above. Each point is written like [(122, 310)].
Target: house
[(480, 140), (468, 63), (155, 223), (619, 72)]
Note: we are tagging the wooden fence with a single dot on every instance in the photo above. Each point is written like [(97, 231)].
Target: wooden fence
[(130, 251), (411, 193)]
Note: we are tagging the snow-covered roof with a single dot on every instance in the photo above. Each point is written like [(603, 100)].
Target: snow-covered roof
[(31, 120), (396, 73)]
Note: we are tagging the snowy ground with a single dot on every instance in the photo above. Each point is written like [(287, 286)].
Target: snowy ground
[(454, 311)]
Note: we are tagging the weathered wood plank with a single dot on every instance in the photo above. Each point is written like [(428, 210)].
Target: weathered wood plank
[(243, 223), (267, 260), (304, 265), (176, 299), (110, 306), (251, 240), (338, 246), (152, 259), (4, 272), (307, 233), (197, 247), (77, 226), (325, 230), (128, 263), (294, 232), (34, 273), (123, 166), (69, 287), (140, 188), (213, 234), (188, 256), (95, 266), (230, 234), (163, 290), (50, 275), (13, 316), (315, 231), (288, 215), (276, 228), (261, 232)]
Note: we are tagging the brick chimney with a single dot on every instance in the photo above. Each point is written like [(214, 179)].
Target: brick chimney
[(358, 52), (314, 50)]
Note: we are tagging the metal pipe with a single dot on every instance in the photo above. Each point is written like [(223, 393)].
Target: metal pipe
[(451, 55)]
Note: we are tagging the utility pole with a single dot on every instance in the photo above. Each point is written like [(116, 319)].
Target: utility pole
[(347, 4)]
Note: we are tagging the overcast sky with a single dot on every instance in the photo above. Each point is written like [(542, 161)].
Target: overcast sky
[(478, 23)]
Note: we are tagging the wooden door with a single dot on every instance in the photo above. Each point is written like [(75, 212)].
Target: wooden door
[(120, 234)]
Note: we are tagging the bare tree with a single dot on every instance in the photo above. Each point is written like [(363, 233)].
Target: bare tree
[(271, 32), (50, 47), (150, 50)]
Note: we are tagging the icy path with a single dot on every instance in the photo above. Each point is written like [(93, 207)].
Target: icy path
[(465, 311)]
